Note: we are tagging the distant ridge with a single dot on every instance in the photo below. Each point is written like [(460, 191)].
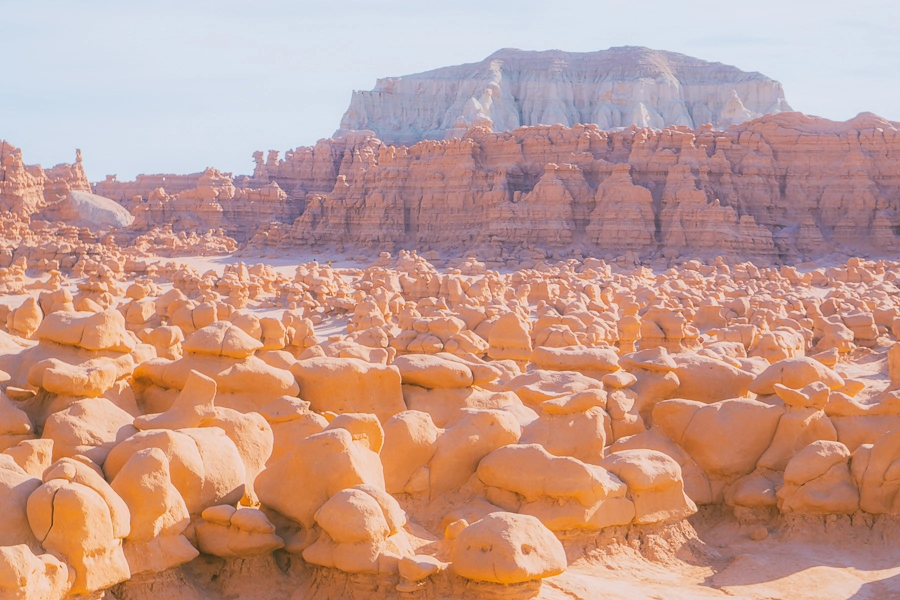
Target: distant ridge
[(613, 88)]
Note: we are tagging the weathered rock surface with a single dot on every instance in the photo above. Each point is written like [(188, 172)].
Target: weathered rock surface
[(782, 187), (611, 88)]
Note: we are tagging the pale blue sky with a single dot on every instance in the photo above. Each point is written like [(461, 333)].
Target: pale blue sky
[(176, 86)]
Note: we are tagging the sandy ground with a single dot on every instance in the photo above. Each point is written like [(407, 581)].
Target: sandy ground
[(816, 559), (813, 559)]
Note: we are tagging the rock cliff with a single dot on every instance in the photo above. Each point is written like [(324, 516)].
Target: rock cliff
[(25, 189), (61, 193), (780, 187), (611, 88)]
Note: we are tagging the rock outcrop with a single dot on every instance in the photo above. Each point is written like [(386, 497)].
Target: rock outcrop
[(466, 429), (781, 187), (613, 88), (84, 209), (26, 189)]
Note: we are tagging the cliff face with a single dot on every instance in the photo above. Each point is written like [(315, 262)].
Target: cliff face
[(781, 187), (611, 88), (26, 189), (215, 203)]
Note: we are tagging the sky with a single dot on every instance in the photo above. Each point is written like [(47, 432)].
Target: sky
[(166, 86)]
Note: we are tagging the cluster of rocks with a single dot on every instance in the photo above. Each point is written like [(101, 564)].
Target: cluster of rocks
[(452, 425)]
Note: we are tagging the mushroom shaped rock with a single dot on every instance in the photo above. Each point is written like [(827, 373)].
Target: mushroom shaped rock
[(243, 384), (708, 379), (834, 335), (33, 456), (291, 420), (364, 427), (537, 386), (167, 340), (483, 373), (626, 419), (444, 405), (563, 492), (726, 438), (362, 532), (27, 318), (92, 331), (414, 569), (654, 371), (87, 474), (652, 359), (318, 467), (89, 379), (159, 515), (509, 338), (222, 338), (507, 548), (696, 481), (252, 436), (15, 426), (224, 473), (594, 362), (873, 467), (655, 485), (815, 395), (781, 343), (817, 480), (342, 385), (581, 434), (205, 465), (803, 423)]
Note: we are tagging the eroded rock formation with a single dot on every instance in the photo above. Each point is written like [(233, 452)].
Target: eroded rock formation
[(780, 187), (611, 88), (783, 187), (459, 432)]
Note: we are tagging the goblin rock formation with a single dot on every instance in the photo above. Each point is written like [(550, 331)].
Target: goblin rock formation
[(611, 88), (456, 433)]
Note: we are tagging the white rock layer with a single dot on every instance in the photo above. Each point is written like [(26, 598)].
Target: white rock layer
[(612, 88)]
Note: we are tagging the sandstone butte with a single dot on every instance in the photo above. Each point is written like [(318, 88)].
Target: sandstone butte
[(618, 87), (581, 387)]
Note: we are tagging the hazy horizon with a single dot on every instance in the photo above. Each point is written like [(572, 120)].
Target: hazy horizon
[(180, 86)]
